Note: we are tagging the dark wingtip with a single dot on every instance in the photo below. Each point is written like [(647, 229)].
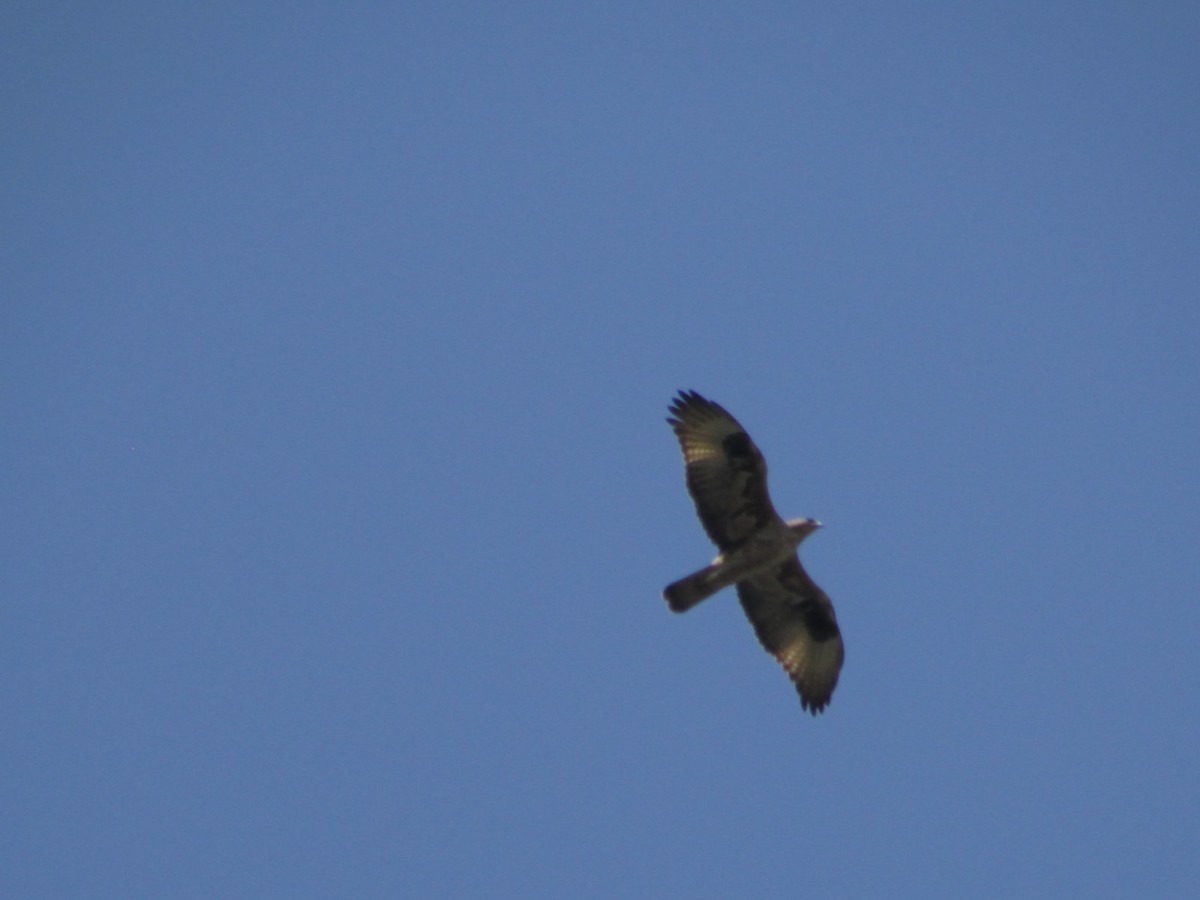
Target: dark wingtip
[(683, 397), (686, 399), (680, 400), (679, 404), (814, 705)]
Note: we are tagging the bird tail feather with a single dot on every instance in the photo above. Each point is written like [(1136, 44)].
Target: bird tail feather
[(685, 593)]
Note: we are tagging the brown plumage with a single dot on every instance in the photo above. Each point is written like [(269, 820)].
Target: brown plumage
[(727, 478)]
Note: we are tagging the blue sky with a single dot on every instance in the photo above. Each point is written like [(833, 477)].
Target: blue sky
[(338, 498)]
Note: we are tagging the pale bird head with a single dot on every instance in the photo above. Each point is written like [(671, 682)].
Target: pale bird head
[(802, 528)]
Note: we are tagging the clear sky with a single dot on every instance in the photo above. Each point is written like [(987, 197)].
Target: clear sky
[(338, 500)]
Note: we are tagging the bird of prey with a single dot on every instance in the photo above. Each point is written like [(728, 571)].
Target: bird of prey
[(727, 478)]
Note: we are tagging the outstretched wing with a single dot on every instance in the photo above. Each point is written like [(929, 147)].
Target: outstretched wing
[(726, 473), (795, 623)]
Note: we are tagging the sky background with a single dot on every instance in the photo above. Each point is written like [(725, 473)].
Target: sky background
[(338, 500)]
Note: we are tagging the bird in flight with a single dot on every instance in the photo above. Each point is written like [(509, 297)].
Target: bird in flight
[(727, 478)]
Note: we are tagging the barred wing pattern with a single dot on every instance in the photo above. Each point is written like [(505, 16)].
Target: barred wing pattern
[(795, 623), (726, 473)]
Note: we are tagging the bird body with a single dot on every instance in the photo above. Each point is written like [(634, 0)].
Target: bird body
[(762, 550)]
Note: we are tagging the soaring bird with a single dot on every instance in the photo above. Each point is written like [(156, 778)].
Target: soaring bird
[(727, 478)]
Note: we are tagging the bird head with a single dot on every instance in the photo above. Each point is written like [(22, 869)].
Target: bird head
[(802, 528)]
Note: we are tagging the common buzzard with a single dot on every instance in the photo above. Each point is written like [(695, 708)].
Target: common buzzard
[(727, 478)]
